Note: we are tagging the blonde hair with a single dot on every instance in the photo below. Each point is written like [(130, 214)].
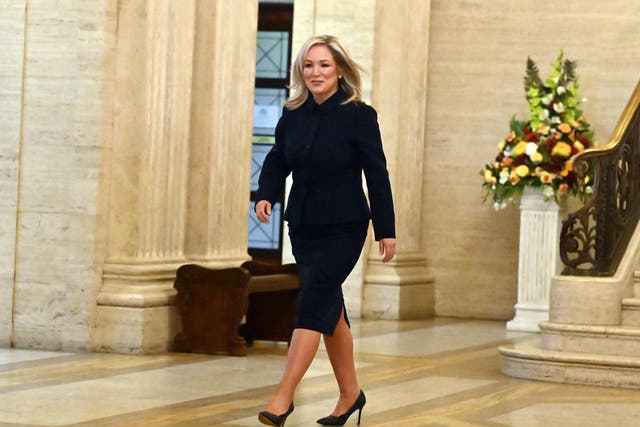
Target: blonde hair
[(349, 69)]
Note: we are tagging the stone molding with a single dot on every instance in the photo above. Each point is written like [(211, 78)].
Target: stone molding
[(399, 93)]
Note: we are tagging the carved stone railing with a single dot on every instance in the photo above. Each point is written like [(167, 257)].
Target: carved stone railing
[(594, 238)]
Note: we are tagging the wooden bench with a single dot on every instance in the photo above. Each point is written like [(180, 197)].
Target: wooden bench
[(213, 303)]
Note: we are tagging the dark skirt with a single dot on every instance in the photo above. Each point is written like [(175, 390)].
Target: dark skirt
[(325, 255)]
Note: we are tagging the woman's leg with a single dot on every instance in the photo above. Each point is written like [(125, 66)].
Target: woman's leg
[(340, 349), (303, 348)]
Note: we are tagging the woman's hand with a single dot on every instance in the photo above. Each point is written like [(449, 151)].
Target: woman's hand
[(263, 210), (387, 248)]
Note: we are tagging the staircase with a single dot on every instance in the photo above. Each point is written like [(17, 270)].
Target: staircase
[(593, 332)]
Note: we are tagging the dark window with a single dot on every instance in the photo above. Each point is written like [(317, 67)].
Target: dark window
[(273, 61)]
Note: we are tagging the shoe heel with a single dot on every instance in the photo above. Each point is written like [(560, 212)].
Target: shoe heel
[(359, 415)]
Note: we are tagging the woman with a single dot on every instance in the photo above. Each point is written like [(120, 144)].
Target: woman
[(326, 137)]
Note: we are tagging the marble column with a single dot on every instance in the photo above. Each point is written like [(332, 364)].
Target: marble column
[(221, 131), (538, 260), (179, 181), (402, 288), (148, 177), (339, 18)]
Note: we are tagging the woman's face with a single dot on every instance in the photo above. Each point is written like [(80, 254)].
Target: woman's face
[(320, 73)]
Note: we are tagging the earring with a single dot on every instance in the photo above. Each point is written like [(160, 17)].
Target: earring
[(340, 77)]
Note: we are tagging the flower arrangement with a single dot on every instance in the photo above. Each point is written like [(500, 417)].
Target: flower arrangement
[(537, 153)]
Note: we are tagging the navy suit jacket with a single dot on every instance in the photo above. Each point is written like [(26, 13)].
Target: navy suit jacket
[(326, 147)]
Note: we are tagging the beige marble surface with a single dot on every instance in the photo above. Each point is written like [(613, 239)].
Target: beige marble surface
[(12, 20), (477, 56), (582, 414), (456, 383), (61, 144)]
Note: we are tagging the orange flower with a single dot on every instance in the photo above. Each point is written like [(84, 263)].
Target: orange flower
[(564, 128), (563, 187), (507, 160), (546, 177)]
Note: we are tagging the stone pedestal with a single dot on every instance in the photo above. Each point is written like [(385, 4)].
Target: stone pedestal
[(538, 260), (402, 288)]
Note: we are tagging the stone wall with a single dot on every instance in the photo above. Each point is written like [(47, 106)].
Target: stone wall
[(53, 86), (57, 98), (12, 25), (477, 57)]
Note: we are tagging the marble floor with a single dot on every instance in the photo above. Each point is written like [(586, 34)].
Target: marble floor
[(437, 372)]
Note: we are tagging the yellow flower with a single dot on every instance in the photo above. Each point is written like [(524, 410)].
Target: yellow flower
[(543, 130), (501, 145), (520, 148), (578, 146), (561, 149), (536, 157), (522, 171), (488, 176)]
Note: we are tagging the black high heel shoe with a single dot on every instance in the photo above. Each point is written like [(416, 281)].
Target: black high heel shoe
[(332, 420), (274, 420)]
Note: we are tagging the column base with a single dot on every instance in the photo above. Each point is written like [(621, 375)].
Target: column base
[(527, 317), (401, 289), (135, 329), (398, 302)]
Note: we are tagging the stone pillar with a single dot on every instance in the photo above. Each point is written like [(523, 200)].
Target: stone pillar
[(339, 18), (179, 182), (148, 178), (538, 261), (402, 288), (221, 130)]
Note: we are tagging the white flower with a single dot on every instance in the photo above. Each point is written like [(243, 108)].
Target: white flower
[(547, 190), (544, 115), (561, 90), (546, 100), (504, 177), (588, 190), (499, 205), (559, 107), (508, 152), (531, 148), (556, 119)]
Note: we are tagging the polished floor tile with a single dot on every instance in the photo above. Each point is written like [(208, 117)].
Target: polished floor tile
[(18, 355), (436, 339), (437, 372)]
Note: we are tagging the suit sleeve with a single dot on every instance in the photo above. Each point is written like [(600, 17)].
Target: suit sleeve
[(374, 165), (274, 169)]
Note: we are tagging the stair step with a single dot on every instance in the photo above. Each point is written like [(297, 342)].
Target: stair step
[(631, 312), (529, 359), (620, 340), (636, 283)]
